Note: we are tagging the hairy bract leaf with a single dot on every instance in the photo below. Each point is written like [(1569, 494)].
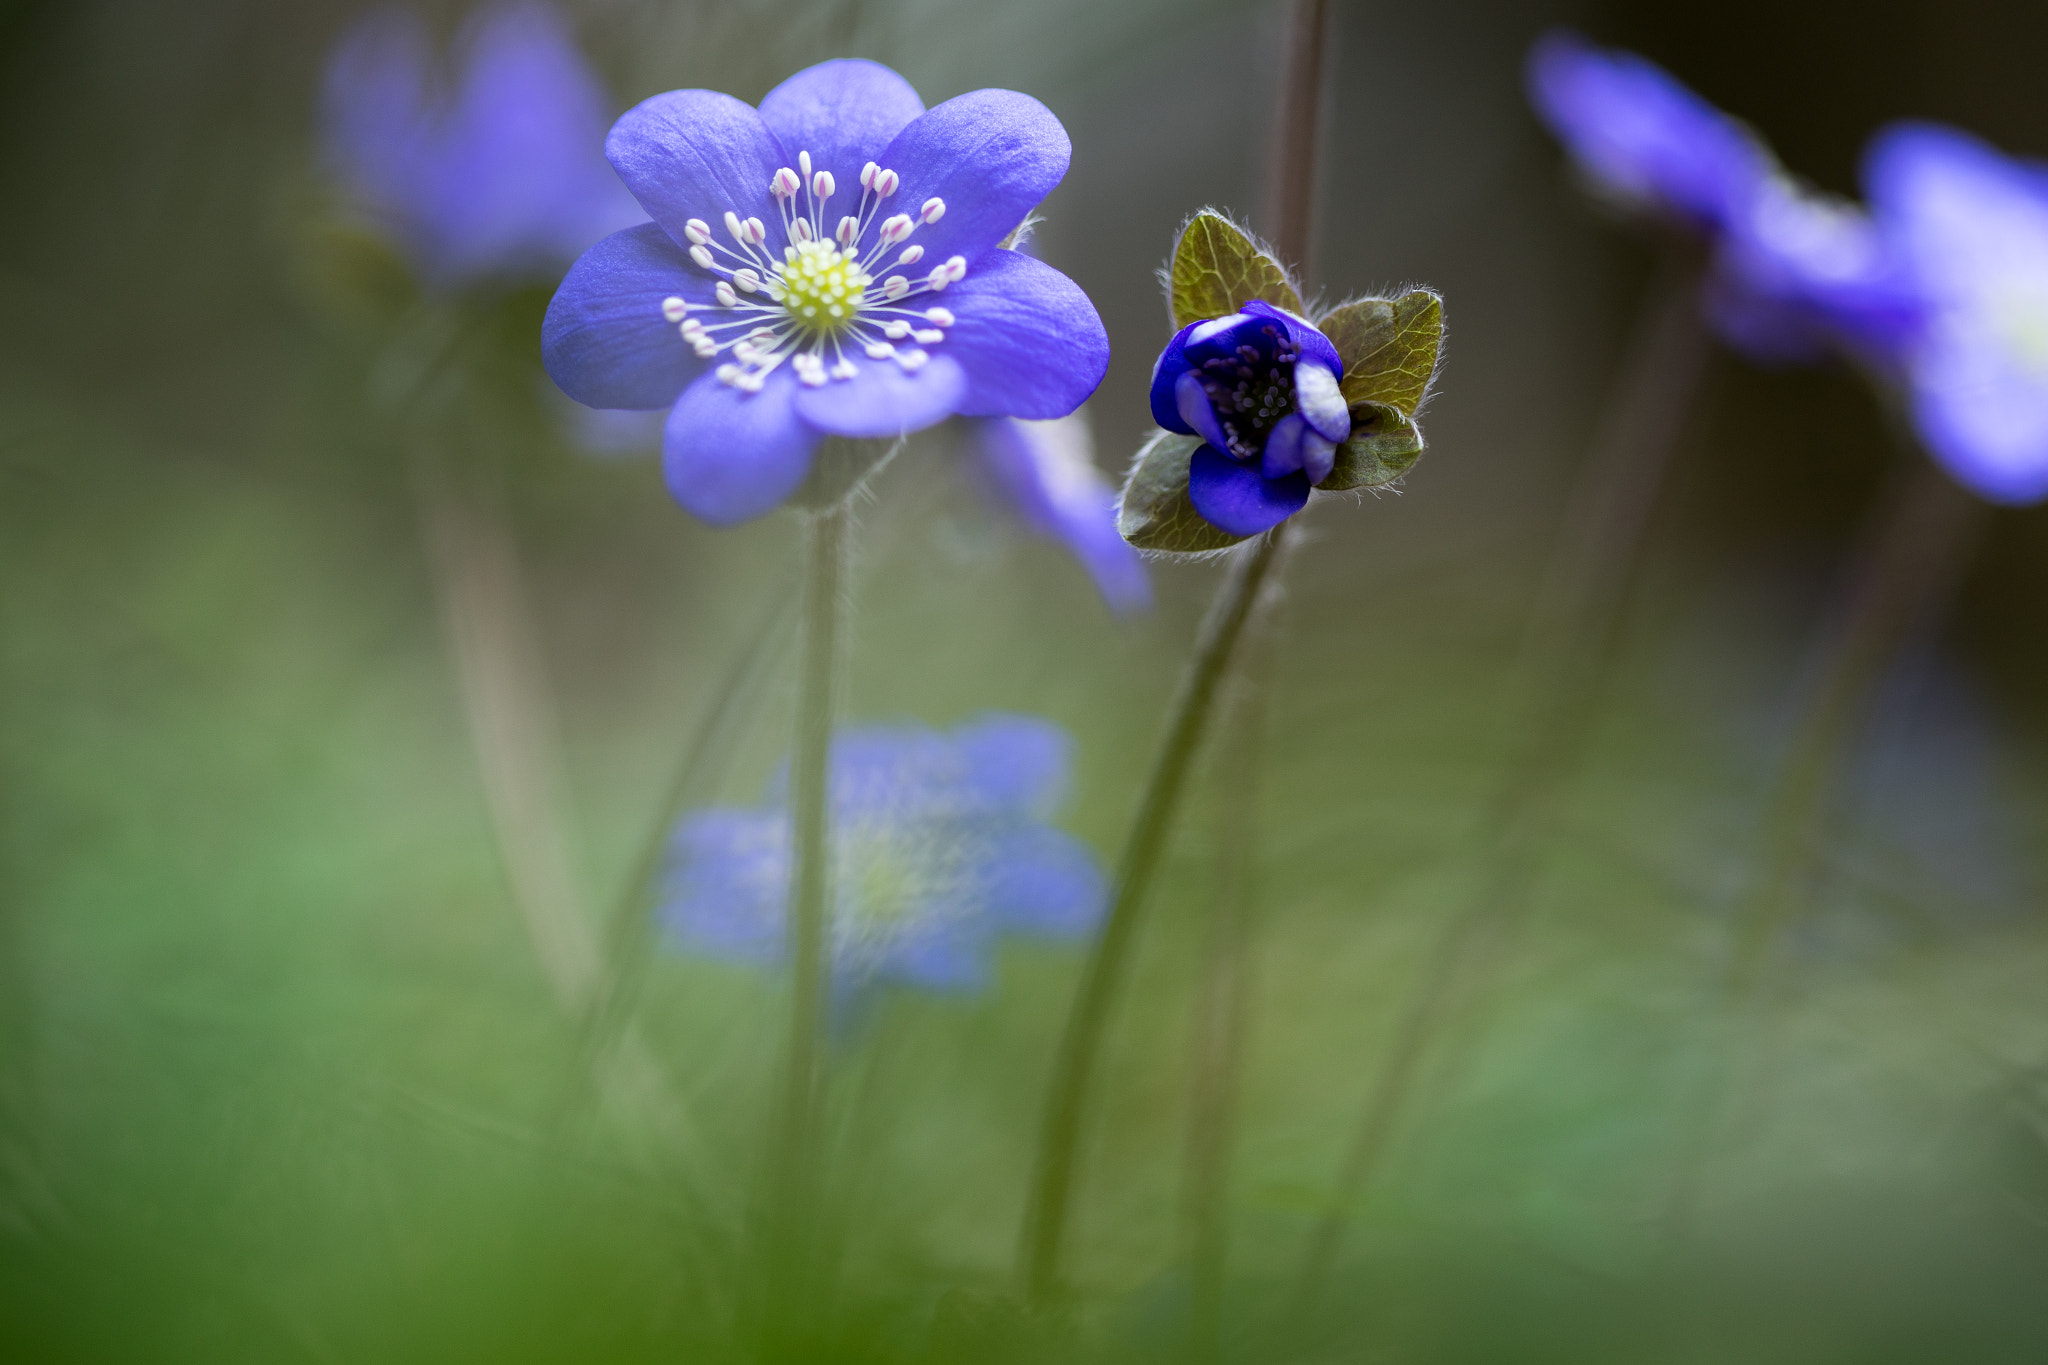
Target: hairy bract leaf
[(1218, 270), (1389, 347), (1154, 512)]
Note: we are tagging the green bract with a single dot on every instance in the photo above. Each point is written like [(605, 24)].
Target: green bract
[(1390, 348)]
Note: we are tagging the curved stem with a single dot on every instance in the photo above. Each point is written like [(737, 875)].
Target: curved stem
[(1052, 1185)]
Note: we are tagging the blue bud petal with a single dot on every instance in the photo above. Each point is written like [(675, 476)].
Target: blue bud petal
[(1191, 401), (1317, 398)]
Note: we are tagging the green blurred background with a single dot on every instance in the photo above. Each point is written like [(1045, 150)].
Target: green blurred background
[(280, 1076)]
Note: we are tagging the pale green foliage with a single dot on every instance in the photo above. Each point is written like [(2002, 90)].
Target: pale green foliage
[(1154, 512), (1217, 270)]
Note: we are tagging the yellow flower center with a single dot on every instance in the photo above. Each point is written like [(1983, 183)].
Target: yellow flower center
[(819, 286)]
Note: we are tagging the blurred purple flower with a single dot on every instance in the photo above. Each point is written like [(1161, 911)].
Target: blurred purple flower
[(1260, 387), (1795, 273), (497, 175), (1046, 473), (765, 320), (1640, 136), (1972, 227), (940, 846)]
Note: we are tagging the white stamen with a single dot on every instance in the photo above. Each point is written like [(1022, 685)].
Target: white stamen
[(809, 369), (784, 184), (942, 317), (698, 231), (801, 230), (849, 228), (701, 255), (744, 352), (933, 210), (803, 159), (750, 381), (896, 330), (756, 232), (956, 267), (896, 229), (822, 184), (931, 336), (674, 309), (895, 287), (691, 327), (938, 279), (746, 280), (911, 255), (845, 369), (886, 183), (727, 374), (880, 350), (725, 294), (735, 227), (911, 360), (704, 347), (868, 174)]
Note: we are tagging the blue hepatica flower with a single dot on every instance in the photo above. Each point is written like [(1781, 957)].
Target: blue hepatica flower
[(1972, 225), (940, 847), (498, 175), (829, 264), (1795, 273), (1046, 473), (1260, 387)]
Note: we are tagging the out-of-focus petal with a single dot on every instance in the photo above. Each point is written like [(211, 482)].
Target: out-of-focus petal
[(990, 155), (1027, 338), (696, 154), (1639, 134), (1045, 470), (727, 883), (1044, 881), (883, 400), (605, 340), (1016, 763), (1234, 498), (730, 456), (844, 113)]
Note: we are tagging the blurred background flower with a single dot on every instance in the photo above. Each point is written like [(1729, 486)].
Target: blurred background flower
[(940, 848), (488, 165)]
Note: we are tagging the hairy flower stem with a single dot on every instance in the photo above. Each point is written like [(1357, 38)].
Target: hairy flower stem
[(1051, 1194), (792, 1194), (1912, 559), (1564, 654), (1222, 997)]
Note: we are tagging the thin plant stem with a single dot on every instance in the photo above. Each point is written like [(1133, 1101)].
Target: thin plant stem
[(1564, 654), (1296, 154), (1050, 1199), (1222, 999), (1911, 562), (792, 1193)]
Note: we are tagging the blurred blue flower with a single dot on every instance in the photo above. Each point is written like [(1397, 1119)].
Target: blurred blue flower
[(1795, 273), (940, 846), (1640, 136), (1972, 226), (1260, 387), (766, 320), (498, 174), (1046, 473)]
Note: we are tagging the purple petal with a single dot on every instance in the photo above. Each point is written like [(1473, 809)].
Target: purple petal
[(373, 105), (1017, 764), (520, 175), (1197, 413), (730, 456), (1028, 340), (605, 340), (1045, 471), (727, 884), (1309, 344), (1639, 133), (1044, 881), (944, 955), (844, 113), (1318, 456), (1319, 400), (1171, 365), (1232, 497), (1283, 455), (991, 155), (695, 154), (882, 400)]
